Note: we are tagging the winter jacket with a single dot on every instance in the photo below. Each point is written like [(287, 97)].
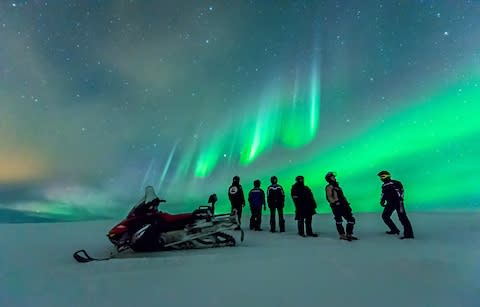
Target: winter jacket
[(392, 192), (304, 201), (275, 196), (256, 198), (335, 196), (236, 196)]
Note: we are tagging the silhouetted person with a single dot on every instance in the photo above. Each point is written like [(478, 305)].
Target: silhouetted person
[(305, 206), (256, 199), (236, 197), (340, 207), (392, 194), (276, 202)]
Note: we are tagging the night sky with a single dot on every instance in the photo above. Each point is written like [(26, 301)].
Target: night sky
[(100, 98)]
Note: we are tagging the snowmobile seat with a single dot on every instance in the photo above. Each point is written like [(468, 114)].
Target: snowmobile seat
[(203, 212), (177, 220)]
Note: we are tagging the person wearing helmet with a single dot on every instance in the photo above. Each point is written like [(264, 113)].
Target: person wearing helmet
[(256, 199), (340, 207), (393, 196), (236, 197), (305, 206), (276, 202)]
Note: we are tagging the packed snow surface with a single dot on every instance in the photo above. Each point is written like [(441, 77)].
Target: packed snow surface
[(439, 268)]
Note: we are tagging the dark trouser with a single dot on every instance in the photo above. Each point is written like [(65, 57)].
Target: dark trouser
[(340, 212), (307, 222), (402, 216), (239, 213), (281, 220), (256, 218)]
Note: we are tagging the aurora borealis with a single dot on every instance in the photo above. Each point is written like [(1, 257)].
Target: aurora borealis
[(100, 98)]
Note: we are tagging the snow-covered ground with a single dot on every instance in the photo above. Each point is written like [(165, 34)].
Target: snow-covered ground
[(439, 268)]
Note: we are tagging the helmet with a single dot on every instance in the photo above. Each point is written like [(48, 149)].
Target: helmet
[(384, 175), (273, 179), (330, 175)]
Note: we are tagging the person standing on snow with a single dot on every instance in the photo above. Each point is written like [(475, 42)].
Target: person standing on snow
[(340, 207), (392, 194), (236, 197), (256, 199), (276, 202), (305, 206)]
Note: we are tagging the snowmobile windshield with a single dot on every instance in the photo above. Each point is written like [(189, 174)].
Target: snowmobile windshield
[(149, 194), (147, 202)]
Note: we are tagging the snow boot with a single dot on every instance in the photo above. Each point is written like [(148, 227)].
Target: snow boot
[(391, 232)]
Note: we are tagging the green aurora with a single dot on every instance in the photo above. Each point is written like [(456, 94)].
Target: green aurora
[(100, 99), (428, 141)]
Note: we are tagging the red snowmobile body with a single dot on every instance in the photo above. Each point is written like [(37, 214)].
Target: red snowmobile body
[(147, 229)]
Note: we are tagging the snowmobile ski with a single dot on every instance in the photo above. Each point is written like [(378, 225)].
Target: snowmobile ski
[(83, 257)]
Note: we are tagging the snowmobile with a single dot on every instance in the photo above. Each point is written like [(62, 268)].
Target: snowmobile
[(146, 229), (156, 230)]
